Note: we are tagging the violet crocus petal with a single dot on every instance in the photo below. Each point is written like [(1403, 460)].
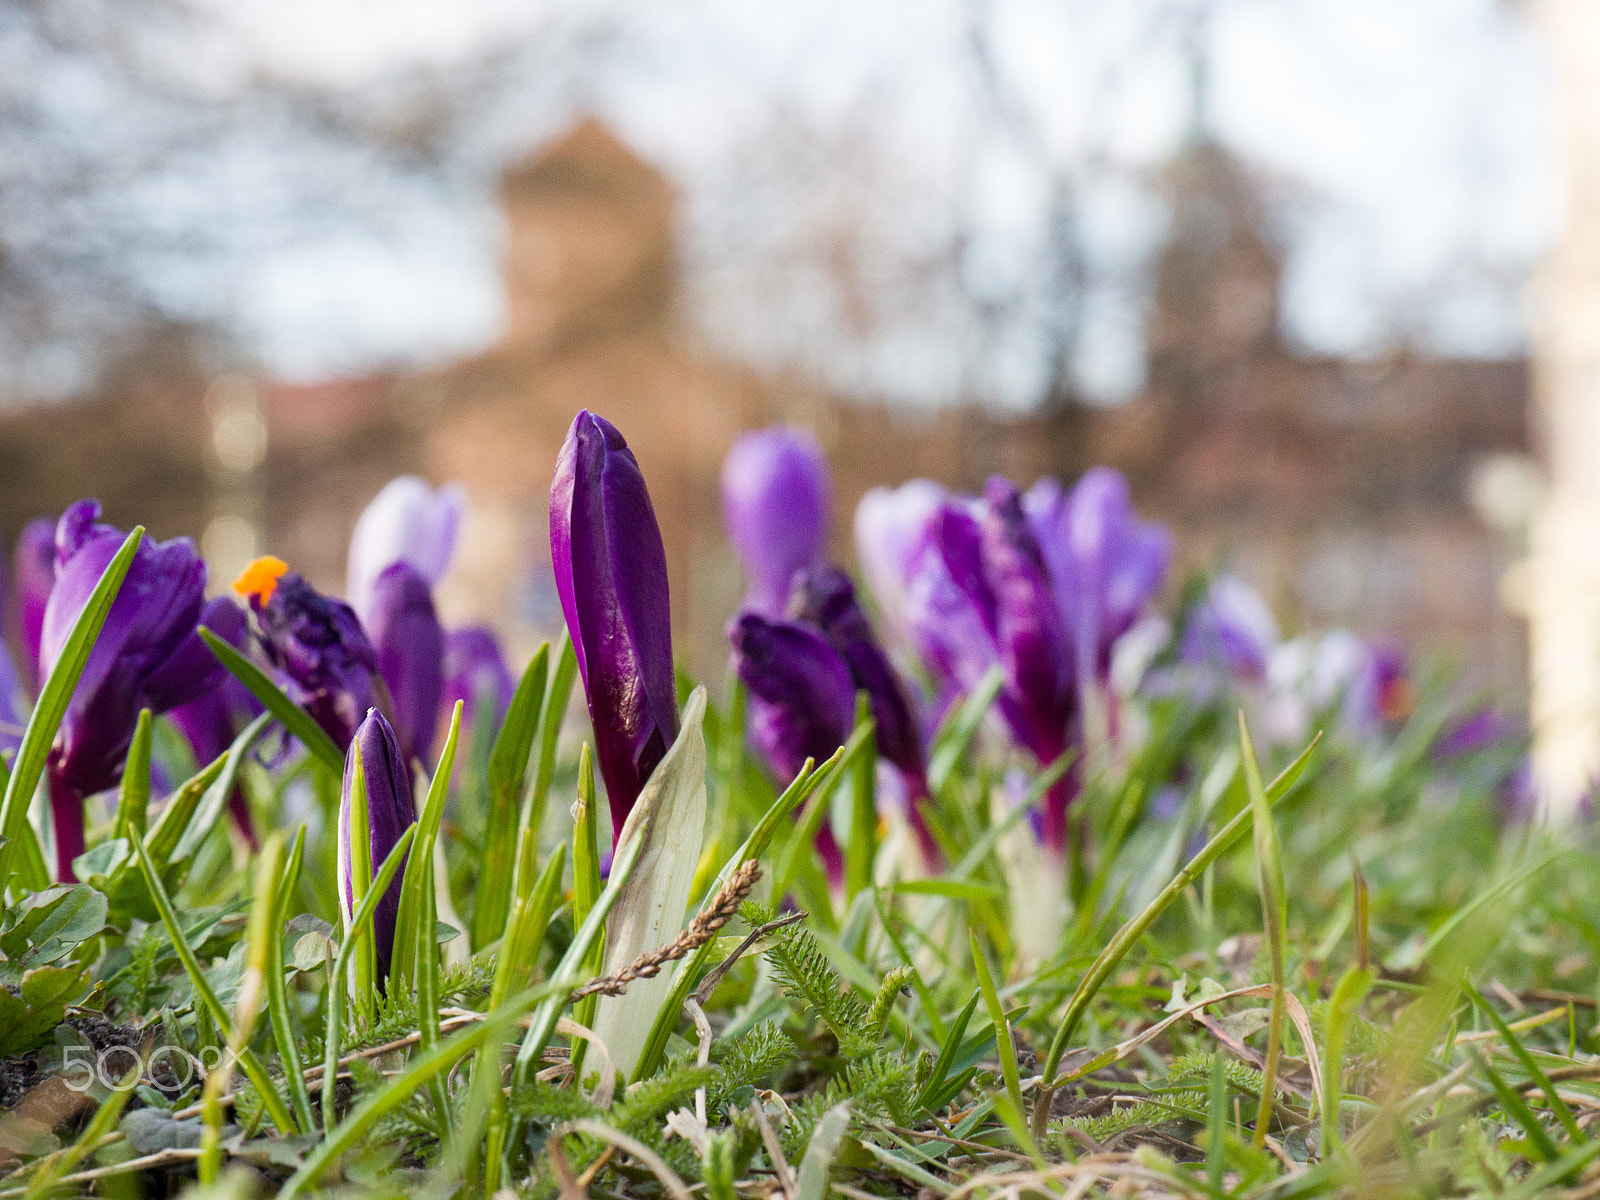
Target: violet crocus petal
[(775, 501), (611, 575), (474, 671), (11, 723), (1105, 563), (391, 810), (825, 597), (949, 605), (409, 641), (34, 568), (317, 642), (892, 531), (407, 521), (802, 698), (1232, 628), (1479, 730), (143, 657)]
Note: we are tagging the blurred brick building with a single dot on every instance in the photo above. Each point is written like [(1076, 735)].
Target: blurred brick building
[(1340, 489)]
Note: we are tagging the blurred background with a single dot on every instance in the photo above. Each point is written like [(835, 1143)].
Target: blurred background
[(1322, 277)]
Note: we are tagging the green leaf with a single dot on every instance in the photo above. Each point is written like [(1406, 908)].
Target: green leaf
[(947, 1053), (293, 718), (824, 1144), (49, 925), (551, 715), (133, 797), (26, 1019), (215, 797), (954, 738), (408, 924), (53, 700), (1274, 910), (862, 849), (508, 769)]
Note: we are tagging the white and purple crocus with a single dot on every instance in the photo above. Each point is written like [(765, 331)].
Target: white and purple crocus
[(611, 575), (148, 655), (1040, 584)]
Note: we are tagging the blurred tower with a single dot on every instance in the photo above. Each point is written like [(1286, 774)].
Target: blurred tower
[(1562, 595)]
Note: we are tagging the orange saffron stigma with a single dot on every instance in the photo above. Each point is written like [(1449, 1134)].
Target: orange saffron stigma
[(260, 579)]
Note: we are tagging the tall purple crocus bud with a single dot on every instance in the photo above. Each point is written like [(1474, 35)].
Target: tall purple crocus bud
[(405, 632), (407, 521), (775, 490), (611, 574), (34, 565), (475, 672), (316, 642), (1105, 563), (825, 598), (802, 701), (1232, 628), (391, 810), (148, 655), (1475, 732), (210, 722)]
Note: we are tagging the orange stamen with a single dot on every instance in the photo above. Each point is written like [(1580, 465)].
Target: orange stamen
[(260, 579)]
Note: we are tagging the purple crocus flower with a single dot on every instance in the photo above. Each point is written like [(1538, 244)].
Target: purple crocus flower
[(1478, 730), (802, 701), (391, 810), (407, 521), (148, 655), (474, 671), (825, 598), (211, 721), (11, 722), (1105, 563), (316, 642), (611, 574), (409, 641), (1232, 628), (775, 490), (34, 564), (1380, 690)]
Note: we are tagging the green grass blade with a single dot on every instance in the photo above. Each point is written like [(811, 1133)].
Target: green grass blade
[(253, 1068), (411, 929), (952, 741), (133, 797), (1274, 913), (214, 799), (357, 933), (1347, 997), (279, 1012), (1517, 1109), (1003, 1042), (862, 849), (508, 769), (585, 890), (293, 718), (1557, 1104), (1126, 937), (562, 675), (54, 697), (947, 1053)]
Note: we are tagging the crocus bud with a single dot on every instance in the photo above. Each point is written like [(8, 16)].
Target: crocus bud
[(34, 565), (407, 521), (825, 598), (148, 655), (802, 700), (409, 642), (1232, 628), (316, 642), (1475, 732), (391, 810), (475, 672), (611, 574), (775, 491), (210, 722), (1106, 565)]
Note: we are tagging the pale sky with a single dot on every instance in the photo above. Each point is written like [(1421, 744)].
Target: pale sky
[(1408, 145)]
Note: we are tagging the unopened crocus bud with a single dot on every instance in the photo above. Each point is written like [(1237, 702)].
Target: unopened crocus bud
[(34, 569), (475, 673), (317, 644), (148, 655), (611, 574), (1106, 564), (404, 629), (802, 700), (407, 521), (391, 810), (825, 598), (210, 722), (775, 491)]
